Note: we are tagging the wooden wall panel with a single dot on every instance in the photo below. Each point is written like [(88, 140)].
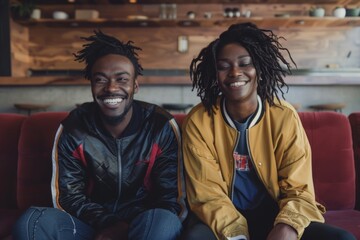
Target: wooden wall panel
[(318, 48), (159, 46), (20, 58), (311, 48)]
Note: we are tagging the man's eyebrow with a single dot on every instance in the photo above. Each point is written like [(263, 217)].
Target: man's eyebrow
[(121, 73), (117, 74), (99, 73)]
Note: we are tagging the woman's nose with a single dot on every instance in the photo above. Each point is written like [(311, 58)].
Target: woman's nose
[(235, 72)]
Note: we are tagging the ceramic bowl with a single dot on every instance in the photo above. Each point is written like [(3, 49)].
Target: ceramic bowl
[(352, 12), (60, 15), (318, 12), (339, 12)]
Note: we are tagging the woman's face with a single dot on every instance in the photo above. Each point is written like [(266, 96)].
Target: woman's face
[(236, 74)]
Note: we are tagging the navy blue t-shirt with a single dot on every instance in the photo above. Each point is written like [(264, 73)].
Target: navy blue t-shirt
[(249, 191)]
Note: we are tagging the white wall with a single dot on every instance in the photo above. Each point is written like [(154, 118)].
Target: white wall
[(64, 98)]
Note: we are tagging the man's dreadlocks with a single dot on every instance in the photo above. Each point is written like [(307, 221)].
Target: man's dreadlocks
[(101, 45), (265, 51)]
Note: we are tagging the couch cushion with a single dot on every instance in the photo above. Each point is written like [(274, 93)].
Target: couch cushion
[(34, 165), (354, 119), (179, 117), (329, 135), (8, 218), (346, 219), (10, 126)]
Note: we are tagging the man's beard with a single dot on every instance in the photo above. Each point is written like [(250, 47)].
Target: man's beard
[(114, 120)]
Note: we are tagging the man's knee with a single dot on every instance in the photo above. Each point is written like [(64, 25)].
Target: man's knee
[(195, 229), (30, 219), (155, 224), (41, 222)]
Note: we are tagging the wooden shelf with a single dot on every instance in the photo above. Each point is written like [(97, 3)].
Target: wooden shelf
[(265, 22), (304, 77)]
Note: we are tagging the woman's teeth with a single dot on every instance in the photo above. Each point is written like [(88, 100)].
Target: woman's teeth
[(237, 84)]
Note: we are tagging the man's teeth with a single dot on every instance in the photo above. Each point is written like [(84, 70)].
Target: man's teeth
[(112, 101), (237, 84)]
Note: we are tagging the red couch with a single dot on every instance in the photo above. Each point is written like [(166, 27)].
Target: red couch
[(25, 164), (329, 134), (25, 160), (10, 127), (354, 119)]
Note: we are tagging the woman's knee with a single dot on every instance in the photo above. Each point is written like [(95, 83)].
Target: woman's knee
[(344, 235), (323, 231)]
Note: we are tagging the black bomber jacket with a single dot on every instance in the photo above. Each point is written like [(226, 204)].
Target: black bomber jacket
[(101, 180)]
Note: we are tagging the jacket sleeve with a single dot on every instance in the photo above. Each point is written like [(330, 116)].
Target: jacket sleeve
[(70, 183), (167, 175), (207, 191), (296, 191)]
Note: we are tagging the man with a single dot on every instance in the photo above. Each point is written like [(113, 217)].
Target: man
[(117, 162), (246, 154)]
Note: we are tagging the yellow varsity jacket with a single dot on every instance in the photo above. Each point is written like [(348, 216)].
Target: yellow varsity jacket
[(279, 150)]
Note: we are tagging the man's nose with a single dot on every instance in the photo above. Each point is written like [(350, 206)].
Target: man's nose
[(112, 86)]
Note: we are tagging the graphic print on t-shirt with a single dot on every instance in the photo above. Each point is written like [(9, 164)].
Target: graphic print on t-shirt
[(242, 162)]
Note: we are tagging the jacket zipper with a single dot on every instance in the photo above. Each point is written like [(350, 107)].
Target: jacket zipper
[(234, 165), (118, 144)]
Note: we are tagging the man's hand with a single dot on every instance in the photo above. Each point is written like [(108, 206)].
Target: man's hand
[(282, 231), (114, 232)]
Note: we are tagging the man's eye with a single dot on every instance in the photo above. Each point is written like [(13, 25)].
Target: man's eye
[(100, 80), (121, 79)]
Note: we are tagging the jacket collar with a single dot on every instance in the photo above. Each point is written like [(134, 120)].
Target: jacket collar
[(255, 117)]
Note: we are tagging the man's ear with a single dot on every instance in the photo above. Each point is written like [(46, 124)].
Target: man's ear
[(136, 86)]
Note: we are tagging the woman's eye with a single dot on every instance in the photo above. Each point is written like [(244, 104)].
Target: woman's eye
[(223, 66), (244, 64)]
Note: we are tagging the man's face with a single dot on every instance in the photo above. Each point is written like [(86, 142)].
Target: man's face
[(236, 73), (113, 86)]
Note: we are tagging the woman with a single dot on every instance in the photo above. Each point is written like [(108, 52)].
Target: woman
[(246, 154)]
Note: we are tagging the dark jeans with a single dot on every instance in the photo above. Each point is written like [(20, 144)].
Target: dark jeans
[(41, 223), (260, 222), (315, 231)]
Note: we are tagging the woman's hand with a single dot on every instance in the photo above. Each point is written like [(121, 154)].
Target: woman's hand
[(282, 231)]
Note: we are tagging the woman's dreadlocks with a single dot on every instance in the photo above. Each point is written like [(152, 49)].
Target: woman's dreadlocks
[(265, 51), (101, 45)]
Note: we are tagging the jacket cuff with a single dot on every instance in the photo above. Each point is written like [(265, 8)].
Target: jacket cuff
[(237, 233), (240, 237), (295, 220)]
